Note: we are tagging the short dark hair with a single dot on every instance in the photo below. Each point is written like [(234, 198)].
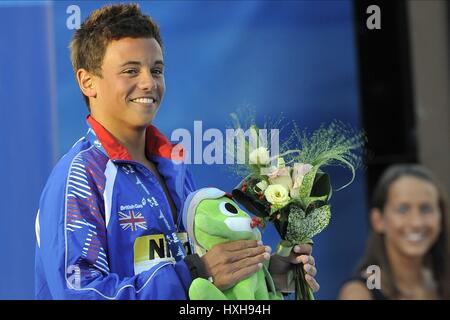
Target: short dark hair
[(111, 22)]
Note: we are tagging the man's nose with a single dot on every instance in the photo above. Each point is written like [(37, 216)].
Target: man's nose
[(146, 81)]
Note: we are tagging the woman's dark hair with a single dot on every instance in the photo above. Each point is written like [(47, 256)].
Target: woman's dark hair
[(438, 258)]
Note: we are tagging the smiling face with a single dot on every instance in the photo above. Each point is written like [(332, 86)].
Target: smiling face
[(411, 218), (131, 86)]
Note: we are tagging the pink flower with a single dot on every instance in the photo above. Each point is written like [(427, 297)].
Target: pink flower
[(298, 173), (281, 176)]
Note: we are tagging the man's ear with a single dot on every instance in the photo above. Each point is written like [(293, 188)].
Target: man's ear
[(86, 82), (377, 220)]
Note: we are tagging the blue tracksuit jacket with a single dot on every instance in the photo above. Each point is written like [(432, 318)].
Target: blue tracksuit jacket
[(98, 235)]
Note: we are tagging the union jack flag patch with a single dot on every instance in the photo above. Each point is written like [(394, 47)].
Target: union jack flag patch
[(132, 220)]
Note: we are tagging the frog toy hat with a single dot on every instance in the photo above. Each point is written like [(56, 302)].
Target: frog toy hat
[(212, 217)]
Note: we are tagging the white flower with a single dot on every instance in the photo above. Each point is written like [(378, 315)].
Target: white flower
[(259, 156), (277, 195), (281, 176), (267, 171), (262, 185), (298, 173)]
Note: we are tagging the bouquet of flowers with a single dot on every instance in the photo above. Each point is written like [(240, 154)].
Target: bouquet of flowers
[(291, 190)]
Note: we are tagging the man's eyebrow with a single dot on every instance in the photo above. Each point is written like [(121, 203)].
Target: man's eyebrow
[(131, 62), (138, 63)]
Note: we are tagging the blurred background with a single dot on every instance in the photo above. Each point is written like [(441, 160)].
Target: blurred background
[(311, 61)]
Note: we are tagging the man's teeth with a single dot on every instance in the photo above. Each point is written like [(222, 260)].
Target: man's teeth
[(415, 236), (143, 100)]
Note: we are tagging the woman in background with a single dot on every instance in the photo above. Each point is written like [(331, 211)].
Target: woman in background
[(408, 240)]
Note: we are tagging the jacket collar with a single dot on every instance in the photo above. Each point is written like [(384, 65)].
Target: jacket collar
[(158, 149), (156, 143)]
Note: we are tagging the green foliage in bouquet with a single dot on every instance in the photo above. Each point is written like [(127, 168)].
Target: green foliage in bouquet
[(291, 190)]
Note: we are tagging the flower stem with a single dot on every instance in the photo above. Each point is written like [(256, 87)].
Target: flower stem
[(302, 289)]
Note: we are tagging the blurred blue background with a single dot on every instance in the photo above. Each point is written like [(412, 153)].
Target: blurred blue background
[(296, 58)]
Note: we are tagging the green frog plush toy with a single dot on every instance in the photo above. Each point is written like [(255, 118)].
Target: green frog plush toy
[(212, 217)]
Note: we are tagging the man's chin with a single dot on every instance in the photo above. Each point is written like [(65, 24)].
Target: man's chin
[(143, 121), (144, 117)]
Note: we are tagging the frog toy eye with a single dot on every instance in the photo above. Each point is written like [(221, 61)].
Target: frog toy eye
[(228, 209)]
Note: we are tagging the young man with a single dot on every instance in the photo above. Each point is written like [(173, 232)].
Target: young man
[(109, 224)]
